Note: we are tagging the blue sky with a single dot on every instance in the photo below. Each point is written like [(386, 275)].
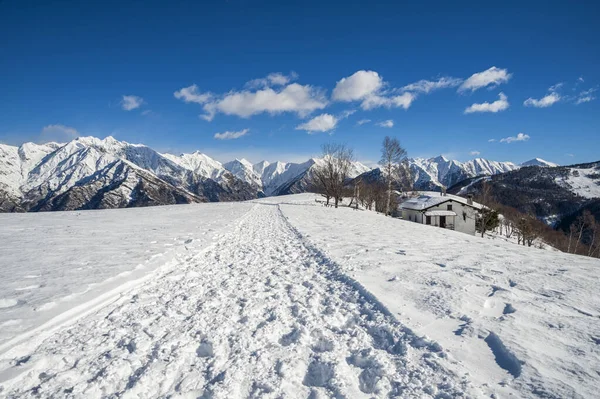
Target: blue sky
[(450, 77)]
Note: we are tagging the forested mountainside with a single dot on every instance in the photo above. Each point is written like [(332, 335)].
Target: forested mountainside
[(555, 195)]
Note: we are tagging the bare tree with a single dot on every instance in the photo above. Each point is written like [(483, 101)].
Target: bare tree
[(577, 229), (331, 175), (593, 227), (488, 216), (394, 165)]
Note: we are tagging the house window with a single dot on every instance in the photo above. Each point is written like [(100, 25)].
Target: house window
[(449, 207), (465, 216), (427, 219)]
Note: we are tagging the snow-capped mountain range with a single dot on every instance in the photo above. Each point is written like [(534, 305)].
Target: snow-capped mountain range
[(91, 173)]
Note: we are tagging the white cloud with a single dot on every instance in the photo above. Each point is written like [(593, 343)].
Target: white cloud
[(62, 129), (231, 135), (491, 77), (59, 133), (475, 153), (367, 86), (580, 79), (518, 137), (402, 101), (272, 79), (363, 121), (491, 140), (321, 123), (586, 96), (347, 113), (543, 102), (292, 98), (499, 105), (556, 87), (570, 155), (426, 86), (190, 94), (129, 103), (357, 86), (147, 112), (389, 123)]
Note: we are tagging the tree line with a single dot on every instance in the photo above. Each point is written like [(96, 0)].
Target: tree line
[(331, 178)]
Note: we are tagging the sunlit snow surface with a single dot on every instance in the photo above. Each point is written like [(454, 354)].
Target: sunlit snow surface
[(282, 297), (51, 262)]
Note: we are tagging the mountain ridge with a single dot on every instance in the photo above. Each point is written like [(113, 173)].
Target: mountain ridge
[(89, 172)]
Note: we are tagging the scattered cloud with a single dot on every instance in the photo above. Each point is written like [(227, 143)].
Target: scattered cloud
[(551, 98), (129, 103), (556, 87), (543, 102), (321, 123), (347, 113), (580, 79), (191, 94), (568, 154), (301, 99), (586, 96), (499, 105), (491, 140), (231, 135), (491, 77), (59, 133), (272, 79), (427, 86), (367, 87), (363, 121), (518, 137), (357, 86), (402, 101), (292, 98), (389, 123), (475, 153)]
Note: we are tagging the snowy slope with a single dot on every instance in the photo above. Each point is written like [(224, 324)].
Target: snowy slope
[(521, 320), (539, 162), (52, 262), (583, 181), (287, 299)]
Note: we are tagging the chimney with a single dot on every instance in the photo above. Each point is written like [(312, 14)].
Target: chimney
[(443, 191), (470, 199)]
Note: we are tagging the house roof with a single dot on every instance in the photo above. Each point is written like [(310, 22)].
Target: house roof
[(429, 199), (440, 213)]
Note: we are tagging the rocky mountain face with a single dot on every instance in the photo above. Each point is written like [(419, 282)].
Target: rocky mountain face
[(89, 173), (432, 173)]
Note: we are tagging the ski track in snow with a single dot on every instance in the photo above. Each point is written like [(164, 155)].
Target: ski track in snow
[(260, 313)]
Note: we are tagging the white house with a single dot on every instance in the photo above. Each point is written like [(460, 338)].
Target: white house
[(442, 210)]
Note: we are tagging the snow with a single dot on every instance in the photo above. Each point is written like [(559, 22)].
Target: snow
[(52, 262), (427, 199), (498, 309), (580, 182), (440, 171), (539, 162), (282, 297)]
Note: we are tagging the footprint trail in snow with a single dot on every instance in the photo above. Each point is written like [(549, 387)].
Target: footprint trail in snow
[(258, 314)]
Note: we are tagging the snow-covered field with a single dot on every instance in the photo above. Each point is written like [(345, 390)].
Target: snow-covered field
[(281, 297), (51, 263)]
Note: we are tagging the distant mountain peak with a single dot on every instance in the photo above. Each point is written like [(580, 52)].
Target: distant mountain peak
[(539, 162)]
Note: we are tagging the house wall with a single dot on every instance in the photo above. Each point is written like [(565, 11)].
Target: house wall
[(413, 216), (464, 224)]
